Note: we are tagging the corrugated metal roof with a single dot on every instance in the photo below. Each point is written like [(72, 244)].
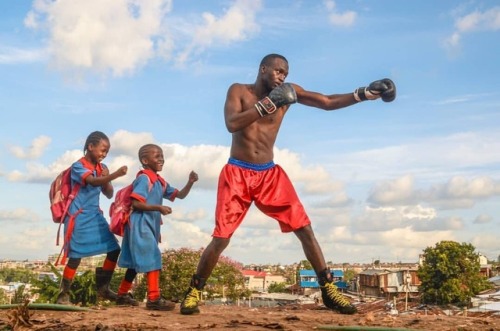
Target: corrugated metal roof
[(307, 272)]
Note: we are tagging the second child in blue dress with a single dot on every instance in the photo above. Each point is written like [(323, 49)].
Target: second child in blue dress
[(140, 251)]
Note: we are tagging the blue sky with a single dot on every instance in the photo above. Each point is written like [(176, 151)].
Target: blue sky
[(378, 180)]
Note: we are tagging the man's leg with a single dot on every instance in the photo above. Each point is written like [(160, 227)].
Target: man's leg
[(311, 248), (207, 263), (210, 256), (332, 298)]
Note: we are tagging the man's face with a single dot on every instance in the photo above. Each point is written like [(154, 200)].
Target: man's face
[(275, 72)]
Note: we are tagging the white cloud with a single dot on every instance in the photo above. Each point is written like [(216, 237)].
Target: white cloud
[(16, 215), (488, 20), (461, 192), (177, 234), (400, 190), (37, 148), (483, 219), (114, 37), (11, 55), (338, 18), (406, 206), (439, 224), (39, 173), (235, 25), (486, 243), (119, 37), (427, 158), (128, 143)]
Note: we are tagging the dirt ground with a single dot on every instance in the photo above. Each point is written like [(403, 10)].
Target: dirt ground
[(212, 317)]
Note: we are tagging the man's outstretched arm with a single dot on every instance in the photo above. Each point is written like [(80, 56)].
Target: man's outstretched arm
[(384, 88)]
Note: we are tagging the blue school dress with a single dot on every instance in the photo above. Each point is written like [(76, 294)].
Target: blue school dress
[(86, 231), (140, 249)]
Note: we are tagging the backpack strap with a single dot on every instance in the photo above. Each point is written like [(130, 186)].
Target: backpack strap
[(67, 238), (72, 196), (153, 177)]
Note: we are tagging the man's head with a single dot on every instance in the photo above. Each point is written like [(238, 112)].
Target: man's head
[(266, 60), (273, 70)]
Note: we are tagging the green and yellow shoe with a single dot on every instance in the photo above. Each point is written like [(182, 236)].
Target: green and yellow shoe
[(189, 305), (334, 300)]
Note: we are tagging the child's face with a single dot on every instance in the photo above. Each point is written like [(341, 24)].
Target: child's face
[(98, 152), (154, 159)]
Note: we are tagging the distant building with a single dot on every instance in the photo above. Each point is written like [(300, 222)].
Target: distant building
[(259, 281), (52, 276), (387, 283), (254, 280), (308, 280)]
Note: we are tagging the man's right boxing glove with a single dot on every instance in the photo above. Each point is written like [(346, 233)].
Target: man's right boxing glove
[(384, 88), (280, 96)]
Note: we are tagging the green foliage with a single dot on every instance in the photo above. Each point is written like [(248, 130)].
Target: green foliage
[(141, 289), (305, 264), (179, 265), (277, 288), (83, 290), (46, 288), (20, 295), (16, 275), (227, 278), (4, 299), (450, 274), (349, 274)]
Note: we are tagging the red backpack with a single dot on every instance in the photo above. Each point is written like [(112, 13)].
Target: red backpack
[(61, 195), (121, 208)]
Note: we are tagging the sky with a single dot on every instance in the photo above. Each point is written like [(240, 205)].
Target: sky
[(379, 181)]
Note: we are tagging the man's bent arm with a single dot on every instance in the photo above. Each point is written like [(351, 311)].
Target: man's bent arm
[(235, 116)]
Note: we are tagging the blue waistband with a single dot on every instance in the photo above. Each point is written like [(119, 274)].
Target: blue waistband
[(251, 166)]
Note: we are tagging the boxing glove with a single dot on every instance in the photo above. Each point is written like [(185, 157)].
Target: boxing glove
[(384, 88), (280, 96)]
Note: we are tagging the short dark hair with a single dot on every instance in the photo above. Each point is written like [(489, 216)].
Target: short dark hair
[(266, 60), (144, 150), (94, 138)]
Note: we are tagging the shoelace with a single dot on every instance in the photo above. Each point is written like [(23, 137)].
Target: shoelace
[(192, 298), (336, 296)]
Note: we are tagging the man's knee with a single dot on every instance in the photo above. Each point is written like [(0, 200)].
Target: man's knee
[(219, 244)]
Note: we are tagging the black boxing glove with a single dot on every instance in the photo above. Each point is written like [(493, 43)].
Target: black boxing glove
[(280, 96), (384, 88)]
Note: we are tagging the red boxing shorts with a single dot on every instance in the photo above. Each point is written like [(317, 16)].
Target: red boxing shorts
[(267, 185)]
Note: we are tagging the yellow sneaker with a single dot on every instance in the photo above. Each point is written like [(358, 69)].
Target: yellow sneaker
[(334, 300), (189, 305)]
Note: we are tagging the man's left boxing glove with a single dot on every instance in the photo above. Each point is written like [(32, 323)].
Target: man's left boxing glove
[(384, 88)]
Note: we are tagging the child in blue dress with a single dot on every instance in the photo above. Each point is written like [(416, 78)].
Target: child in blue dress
[(140, 251), (86, 231)]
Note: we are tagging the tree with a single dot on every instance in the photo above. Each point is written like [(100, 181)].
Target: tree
[(450, 273), (277, 287), (16, 275), (305, 264), (179, 265), (349, 274)]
